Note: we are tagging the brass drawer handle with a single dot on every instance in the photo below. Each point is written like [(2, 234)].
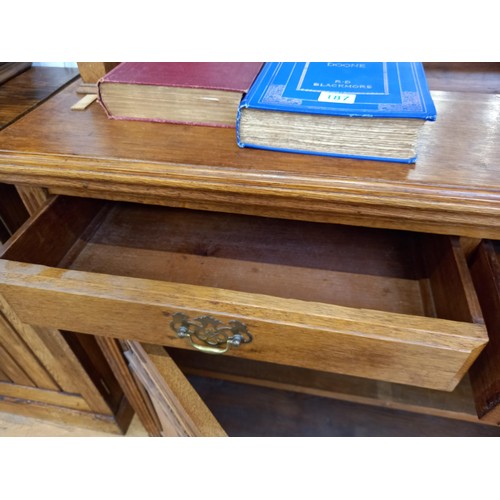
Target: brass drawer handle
[(210, 335)]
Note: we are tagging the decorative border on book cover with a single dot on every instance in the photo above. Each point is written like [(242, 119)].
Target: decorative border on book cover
[(363, 89)]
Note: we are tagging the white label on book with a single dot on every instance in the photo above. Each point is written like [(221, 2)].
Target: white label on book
[(337, 97)]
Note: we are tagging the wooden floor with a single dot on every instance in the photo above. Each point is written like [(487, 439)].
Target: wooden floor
[(19, 426), (251, 411)]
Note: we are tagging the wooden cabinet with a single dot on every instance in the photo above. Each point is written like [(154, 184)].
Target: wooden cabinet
[(328, 276), (44, 372)]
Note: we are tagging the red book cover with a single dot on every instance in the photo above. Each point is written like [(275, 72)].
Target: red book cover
[(233, 77)]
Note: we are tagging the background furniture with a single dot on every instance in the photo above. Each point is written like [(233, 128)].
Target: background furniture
[(20, 94)]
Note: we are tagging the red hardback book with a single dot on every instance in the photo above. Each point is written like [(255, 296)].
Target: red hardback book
[(195, 93)]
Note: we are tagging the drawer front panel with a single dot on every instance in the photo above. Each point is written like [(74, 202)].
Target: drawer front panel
[(420, 351)]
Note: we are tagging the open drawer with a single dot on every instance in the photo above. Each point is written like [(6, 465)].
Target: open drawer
[(387, 305)]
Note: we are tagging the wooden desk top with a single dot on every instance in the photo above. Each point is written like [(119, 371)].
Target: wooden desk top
[(454, 188)]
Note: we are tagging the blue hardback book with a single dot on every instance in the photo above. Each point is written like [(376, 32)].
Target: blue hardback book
[(355, 109)]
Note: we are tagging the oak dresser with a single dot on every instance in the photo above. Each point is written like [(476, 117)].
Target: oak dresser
[(179, 253)]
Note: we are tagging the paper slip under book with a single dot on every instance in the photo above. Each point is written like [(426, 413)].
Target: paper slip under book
[(369, 110), (195, 93)]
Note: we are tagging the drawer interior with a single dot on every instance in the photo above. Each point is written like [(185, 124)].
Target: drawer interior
[(385, 270)]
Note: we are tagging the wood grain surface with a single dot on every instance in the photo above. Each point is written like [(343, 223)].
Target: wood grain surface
[(27, 90), (12, 425), (18, 96), (91, 72), (126, 266), (454, 187), (481, 77), (181, 411), (139, 401)]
